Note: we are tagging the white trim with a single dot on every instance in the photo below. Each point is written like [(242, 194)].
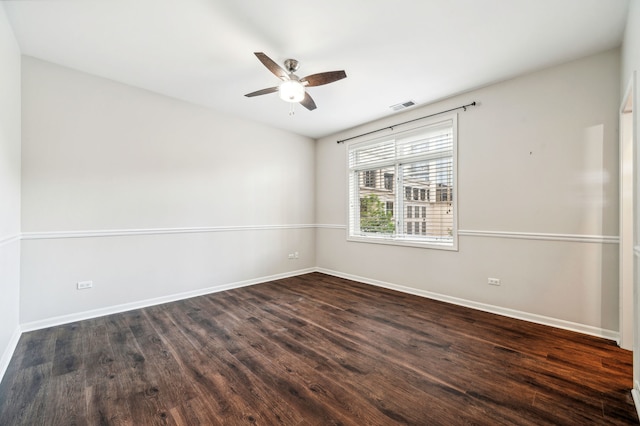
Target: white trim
[(628, 97), (65, 319), (602, 239), (9, 239), (330, 226), (635, 393), (154, 231), (512, 313), (636, 250), (406, 242), (9, 350)]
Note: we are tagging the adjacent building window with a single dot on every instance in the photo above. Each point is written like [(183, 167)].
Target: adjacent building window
[(422, 162), (370, 178), (388, 181), (389, 209)]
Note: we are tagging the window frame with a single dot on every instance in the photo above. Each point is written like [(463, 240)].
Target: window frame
[(403, 239)]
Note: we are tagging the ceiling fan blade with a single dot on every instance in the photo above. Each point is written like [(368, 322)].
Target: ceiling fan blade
[(323, 78), (262, 92), (272, 66), (308, 103)]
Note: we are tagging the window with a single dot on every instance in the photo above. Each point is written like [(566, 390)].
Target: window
[(443, 192), (370, 178), (389, 208), (388, 181), (422, 162)]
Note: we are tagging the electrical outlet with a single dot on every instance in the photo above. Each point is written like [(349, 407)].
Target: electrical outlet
[(291, 256), (493, 281), (84, 285), (296, 255)]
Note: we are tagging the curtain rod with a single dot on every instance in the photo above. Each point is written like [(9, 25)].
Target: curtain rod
[(410, 121)]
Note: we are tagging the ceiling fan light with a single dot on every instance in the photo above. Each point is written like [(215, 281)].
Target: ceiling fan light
[(291, 91)]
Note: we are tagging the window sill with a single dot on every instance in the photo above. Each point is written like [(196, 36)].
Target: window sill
[(405, 242)]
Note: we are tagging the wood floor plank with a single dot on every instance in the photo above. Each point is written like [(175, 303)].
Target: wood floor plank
[(411, 379), (34, 348), (314, 350), (62, 388), (24, 398), (239, 397), (68, 352), (134, 381)]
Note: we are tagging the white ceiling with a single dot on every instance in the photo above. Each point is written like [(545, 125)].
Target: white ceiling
[(392, 51)]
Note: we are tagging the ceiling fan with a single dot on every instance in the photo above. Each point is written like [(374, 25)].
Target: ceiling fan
[(292, 88)]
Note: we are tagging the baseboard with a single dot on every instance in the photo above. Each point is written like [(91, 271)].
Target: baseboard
[(9, 350), (539, 319), (635, 393), (511, 313), (66, 319)]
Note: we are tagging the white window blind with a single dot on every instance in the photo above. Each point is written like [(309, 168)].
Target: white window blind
[(413, 172)]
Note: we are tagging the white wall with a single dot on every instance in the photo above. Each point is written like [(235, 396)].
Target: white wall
[(150, 197), (537, 156), (9, 190), (125, 188)]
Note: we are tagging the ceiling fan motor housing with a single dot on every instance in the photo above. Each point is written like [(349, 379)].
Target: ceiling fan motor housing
[(291, 65)]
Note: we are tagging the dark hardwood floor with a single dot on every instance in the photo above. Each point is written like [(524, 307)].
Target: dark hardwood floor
[(314, 350)]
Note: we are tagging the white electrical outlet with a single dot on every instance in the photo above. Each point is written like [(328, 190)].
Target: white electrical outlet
[(493, 281), (296, 255), (84, 285), (291, 256)]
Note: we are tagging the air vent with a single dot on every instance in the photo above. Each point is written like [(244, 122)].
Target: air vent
[(403, 105)]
